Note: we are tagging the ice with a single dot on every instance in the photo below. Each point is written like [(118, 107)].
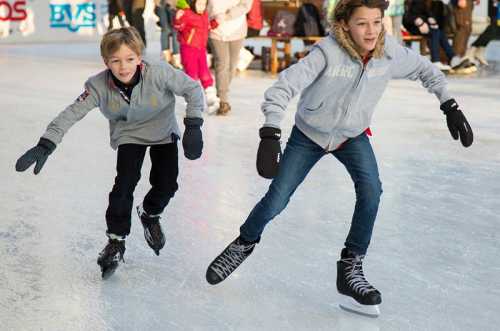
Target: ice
[(434, 253)]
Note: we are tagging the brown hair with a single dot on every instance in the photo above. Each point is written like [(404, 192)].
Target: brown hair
[(113, 39), (345, 8)]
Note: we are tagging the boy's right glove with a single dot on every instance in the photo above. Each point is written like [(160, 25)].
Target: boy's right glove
[(457, 123), (38, 154), (192, 140), (269, 153)]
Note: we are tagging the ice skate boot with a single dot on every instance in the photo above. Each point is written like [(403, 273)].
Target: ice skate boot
[(357, 295), (213, 101), (152, 230), (110, 257), (480, 55), (229, 260)]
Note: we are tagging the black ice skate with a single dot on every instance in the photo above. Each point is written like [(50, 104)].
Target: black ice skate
[(152, 230), (357, 294), (110, 257), (229, 260)]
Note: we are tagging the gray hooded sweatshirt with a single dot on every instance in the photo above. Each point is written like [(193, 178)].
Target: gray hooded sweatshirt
[(339, 93), (149, 119)]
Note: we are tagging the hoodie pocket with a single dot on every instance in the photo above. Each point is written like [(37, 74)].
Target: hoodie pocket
[(317, 117), (314, 108)]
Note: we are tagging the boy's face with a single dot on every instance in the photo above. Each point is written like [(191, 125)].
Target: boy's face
[(364, 26), (123, 63)]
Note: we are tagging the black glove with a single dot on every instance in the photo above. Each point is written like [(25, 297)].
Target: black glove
[(269, 153), (457, 123), (192, 140), (38, 154)]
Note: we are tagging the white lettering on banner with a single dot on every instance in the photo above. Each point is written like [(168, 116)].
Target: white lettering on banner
[(339, 70), (61, 16)]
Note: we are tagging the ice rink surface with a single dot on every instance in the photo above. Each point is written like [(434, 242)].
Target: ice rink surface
[(434, 254)]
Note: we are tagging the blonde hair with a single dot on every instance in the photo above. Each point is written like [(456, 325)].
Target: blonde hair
[(114, 39)]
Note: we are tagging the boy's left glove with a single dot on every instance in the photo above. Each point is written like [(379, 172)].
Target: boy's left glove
[(192, 140), (457, 123)]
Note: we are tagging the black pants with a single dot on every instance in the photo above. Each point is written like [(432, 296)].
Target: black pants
[(492, 32), (163, 179), (133, 12)]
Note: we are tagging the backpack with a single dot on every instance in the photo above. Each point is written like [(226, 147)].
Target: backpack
[(282, 24), (308, 22)]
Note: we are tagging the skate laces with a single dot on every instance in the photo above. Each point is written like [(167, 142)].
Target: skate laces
[(231, 258), (355, 277), (144, 216)]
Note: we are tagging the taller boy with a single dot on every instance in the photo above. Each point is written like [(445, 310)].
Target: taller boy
[(341, 80)]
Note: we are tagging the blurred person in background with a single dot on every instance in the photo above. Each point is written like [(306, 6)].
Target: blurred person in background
[(255, 21), (463, 21), (226, 41), (426, 18), (492, 32), (393, 19), (134, 9), (193, 26), (165, 10), (115, 10)]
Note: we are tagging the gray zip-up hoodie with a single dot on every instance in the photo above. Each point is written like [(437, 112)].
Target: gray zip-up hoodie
[(149, 119), (339, 93)]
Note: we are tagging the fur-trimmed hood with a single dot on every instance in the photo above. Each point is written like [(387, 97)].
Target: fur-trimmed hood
[(345, 41)]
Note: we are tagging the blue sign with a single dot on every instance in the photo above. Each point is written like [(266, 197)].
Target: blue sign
[(61, 16)]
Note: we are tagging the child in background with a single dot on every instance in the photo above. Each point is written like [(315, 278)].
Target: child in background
[(165, 10), (193, 26), (138, 99)]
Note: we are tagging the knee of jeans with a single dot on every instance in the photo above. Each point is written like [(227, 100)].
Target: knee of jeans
[(370, 190), (276, 199)]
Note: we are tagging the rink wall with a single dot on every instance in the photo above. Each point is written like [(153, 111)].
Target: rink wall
[(72, 20), (58, 20)]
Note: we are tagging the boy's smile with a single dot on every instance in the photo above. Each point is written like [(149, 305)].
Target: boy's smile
[(123, 64)]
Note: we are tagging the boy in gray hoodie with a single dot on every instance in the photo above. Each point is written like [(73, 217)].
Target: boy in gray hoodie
[(340, 81), (138, 99)]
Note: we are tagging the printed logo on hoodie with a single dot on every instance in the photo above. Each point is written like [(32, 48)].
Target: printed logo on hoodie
[(341, 70)]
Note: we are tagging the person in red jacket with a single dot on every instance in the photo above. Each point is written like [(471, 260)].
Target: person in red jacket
[(193, 26), (254, 19)]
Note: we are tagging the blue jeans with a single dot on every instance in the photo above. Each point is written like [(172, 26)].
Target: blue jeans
[(167, 16), (299, 157), (437, 39)]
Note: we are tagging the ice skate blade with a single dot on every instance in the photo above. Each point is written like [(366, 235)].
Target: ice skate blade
[(108, 271), (349, 304)]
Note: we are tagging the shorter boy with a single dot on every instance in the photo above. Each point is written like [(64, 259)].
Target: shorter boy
[(138, 99)]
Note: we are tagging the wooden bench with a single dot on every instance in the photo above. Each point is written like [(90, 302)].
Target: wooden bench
[(282, 44)]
